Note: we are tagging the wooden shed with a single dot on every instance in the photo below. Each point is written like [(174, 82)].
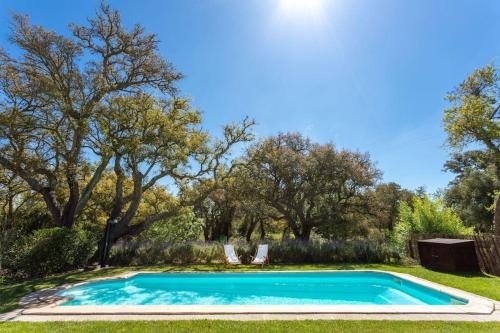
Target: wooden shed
[(451, 255)]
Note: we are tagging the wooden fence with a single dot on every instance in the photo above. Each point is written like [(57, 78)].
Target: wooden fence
[(487, 249)]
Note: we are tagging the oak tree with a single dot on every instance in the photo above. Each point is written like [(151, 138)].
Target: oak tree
[(53, 93), (474, 118), (310, 185)]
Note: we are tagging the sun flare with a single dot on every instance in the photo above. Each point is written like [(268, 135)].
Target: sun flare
[(301, 8)]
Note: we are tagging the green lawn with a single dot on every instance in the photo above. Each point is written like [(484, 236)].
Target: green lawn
[(480, 284), (322, 326)]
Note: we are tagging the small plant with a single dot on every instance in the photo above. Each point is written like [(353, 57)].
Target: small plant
[(427, 216)]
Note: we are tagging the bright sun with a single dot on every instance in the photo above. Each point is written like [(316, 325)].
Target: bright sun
[(301, 8)]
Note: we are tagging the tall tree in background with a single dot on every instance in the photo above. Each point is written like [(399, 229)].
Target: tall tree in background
[(255, 215), (310, 185), (53, 94), (472, 192), (217, 209), (384, 201), (474, 118)]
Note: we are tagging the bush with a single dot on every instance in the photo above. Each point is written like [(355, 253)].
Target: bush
[(291, 252), (339, 251), (138, 253), (49, 251), (427, 217)]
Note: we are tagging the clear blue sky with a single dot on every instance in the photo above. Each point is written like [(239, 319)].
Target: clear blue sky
[(366, 75)]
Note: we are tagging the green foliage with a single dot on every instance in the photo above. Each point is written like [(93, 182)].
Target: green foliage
[(384, 202), (161, 253), (218, 207), (495, 196), (332, 251), (474, 114), (427, 216), (292, 251), (472, 196), (49, 251), (181, 228), (472, 193), (474, 118), (46, 132), (310, 185)]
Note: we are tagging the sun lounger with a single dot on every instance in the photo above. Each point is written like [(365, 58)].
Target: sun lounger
[(230, 256), (261, 257)]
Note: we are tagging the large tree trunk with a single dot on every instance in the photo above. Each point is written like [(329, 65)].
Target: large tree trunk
[(68, 217), (251, 223), (262, 230), (206, 232), (123, 226), (227, 226), (286, 234), (497, 216), (305, 233), (293, 227), (222, 225), (215, 234)]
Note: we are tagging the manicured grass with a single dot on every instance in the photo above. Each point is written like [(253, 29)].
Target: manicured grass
[(253, 326), (480, 284)]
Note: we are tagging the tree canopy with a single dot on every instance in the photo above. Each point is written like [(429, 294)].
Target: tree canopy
[(472, 192), (474, 118), (312, 186), (54, 94)]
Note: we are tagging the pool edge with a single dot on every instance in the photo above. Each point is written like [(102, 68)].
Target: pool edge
[(50, 302)]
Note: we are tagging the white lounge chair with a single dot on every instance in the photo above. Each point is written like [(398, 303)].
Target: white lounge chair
[(230, 256), (261, 257)]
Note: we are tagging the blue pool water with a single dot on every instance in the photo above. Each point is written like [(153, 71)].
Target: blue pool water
[(257, 288)]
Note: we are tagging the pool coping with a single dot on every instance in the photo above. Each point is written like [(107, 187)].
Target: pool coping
[(47, 302)]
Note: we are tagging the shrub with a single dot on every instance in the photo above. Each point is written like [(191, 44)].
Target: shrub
[(332, 251), (427, 216), (291, 252), (51, 250), (140, 253)]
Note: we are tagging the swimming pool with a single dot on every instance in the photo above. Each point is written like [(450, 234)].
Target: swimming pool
[(263, 288)]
